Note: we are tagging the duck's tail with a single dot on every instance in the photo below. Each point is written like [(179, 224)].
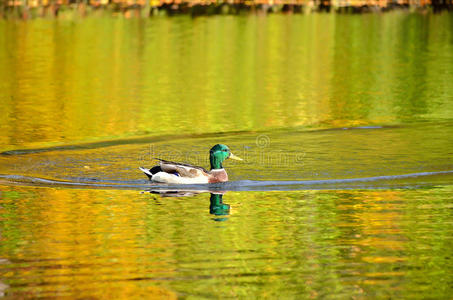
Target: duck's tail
[(151, 172), (147, 172)]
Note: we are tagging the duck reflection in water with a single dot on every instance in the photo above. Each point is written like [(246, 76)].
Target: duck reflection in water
[(218, 208), (216, 205)]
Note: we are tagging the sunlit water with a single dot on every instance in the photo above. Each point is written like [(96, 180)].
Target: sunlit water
[(340, 244), (345, 124)]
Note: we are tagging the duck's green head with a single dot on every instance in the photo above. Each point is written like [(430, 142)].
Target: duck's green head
[(218, 154)]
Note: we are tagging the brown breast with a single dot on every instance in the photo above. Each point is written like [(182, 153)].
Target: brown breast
[(218, 176)]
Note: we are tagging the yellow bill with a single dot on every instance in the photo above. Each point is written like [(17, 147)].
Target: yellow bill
[(232, 156)]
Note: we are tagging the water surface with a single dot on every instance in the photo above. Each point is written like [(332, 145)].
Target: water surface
[(344, 124), (113, 243), (77, 80)]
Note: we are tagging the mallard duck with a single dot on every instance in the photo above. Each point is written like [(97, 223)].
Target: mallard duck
[(179, 173)]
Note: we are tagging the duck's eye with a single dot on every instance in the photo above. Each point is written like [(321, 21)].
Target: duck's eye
[(225, 150)]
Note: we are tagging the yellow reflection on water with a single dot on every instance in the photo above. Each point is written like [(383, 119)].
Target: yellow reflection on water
[(65, 242), (106, 78)]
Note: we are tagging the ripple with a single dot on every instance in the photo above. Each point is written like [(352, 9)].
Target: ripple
[(413, 180)]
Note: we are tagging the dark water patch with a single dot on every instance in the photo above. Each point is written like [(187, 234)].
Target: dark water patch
[(163, 138), (277, 158), (175, 137), (83, 183), (118, 142)]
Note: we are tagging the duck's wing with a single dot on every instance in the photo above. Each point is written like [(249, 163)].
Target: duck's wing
[(184, 170)]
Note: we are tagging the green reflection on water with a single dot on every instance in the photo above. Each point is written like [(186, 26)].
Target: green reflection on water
[(102, 78), (94, 243)]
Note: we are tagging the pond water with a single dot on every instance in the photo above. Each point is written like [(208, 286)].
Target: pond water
[(344, 122)]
